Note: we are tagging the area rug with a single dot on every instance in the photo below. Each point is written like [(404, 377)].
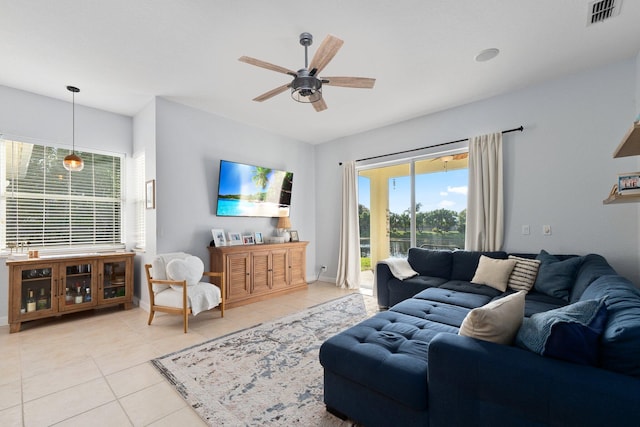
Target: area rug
[(265, 375)]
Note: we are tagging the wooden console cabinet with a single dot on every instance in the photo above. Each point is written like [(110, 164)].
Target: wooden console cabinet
[(257, 272), (52, 286)]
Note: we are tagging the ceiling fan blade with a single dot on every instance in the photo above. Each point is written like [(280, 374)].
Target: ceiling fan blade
[(267, 65), (325, 53), (272, 93), (357, 82), (320, 105)]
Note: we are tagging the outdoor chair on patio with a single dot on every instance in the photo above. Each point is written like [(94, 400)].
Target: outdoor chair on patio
[(175, 286)]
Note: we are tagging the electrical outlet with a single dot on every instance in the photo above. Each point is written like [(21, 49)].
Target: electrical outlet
[(323, 268), (546, 230), (526, 230)]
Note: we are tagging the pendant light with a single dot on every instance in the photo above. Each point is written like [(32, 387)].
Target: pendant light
[(73, 162)]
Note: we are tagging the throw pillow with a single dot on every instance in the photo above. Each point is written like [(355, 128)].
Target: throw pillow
[(555, 277), (570, 333), (497, 321), (524, 273), (190, 269), (493, 272)]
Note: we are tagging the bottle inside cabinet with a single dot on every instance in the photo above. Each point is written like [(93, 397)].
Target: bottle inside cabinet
[(36, 290), (78, 281), (31, 302)]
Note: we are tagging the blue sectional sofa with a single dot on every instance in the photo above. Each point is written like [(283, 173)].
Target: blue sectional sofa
[(408, 366)]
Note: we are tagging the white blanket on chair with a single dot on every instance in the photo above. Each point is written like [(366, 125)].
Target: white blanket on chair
[(400, 268), (203, 296)]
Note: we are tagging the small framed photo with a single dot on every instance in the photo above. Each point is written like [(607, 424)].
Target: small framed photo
[(150, 194), (294, 235), (629, 183), (218, 237), (259, 238), (248, 239), (235, 238)]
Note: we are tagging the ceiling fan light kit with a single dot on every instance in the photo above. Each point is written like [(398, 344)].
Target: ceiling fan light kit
[(306, 86)]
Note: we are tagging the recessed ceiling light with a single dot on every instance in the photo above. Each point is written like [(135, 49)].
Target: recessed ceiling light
[(487, 54)]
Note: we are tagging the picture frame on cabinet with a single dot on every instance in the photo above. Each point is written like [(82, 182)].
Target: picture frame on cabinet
[(218, 237), (259, 239), (235, 238), (294, 235), (248, 239)]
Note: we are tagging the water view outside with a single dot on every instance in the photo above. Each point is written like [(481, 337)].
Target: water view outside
[(440, 211), (398, 248)]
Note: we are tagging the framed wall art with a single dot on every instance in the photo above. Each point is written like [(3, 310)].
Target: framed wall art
[(150, 194)]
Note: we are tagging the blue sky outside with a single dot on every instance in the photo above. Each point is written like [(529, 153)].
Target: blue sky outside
[(440, 190), (235, 178)]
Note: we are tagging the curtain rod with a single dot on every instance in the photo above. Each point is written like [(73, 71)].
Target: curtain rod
[(518, 129)]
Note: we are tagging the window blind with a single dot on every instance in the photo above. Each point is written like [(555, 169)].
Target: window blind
[(48, 206)]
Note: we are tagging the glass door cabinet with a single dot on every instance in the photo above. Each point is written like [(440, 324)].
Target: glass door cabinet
[(47, 287)]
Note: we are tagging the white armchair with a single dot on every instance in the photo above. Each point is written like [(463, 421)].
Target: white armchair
[(175, 286)]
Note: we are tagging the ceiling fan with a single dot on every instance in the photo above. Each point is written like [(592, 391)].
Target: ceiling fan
[(306, 85)]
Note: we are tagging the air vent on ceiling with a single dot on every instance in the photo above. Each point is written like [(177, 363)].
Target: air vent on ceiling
[(602, 10)]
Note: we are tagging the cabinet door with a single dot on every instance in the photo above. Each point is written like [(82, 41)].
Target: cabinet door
[(77, 285), (297, 266), (279, 268), (260, 271), (114, 280), (238, 275), (33, 291)]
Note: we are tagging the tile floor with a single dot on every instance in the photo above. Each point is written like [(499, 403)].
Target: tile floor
[(93, 368)]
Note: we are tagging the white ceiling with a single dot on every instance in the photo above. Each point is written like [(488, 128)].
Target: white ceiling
[(122, 53)]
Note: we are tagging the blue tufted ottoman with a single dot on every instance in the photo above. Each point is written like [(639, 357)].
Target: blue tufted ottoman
[(377, 369)]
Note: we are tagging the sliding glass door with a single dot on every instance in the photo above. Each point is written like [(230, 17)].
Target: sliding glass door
[(414, 202)]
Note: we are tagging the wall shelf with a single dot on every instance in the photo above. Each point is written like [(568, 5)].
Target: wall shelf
[(621, 198), (630, 144)]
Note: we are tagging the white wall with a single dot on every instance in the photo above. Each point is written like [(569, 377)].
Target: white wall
[(189, 146), (557, 171), (144, 142), (638, 86), (48, 120)]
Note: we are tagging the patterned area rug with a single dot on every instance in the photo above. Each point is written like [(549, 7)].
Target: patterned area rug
[(265, 375)]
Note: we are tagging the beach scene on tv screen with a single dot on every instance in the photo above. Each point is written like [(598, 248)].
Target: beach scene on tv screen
[(246, 190)]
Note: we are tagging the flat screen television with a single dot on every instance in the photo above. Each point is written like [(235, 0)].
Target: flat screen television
[(247, 190)]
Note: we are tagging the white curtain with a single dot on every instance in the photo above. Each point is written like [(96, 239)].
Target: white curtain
[(349, 255), (485, 209)]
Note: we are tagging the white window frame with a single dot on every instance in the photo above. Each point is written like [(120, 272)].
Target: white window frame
[(93, 242)]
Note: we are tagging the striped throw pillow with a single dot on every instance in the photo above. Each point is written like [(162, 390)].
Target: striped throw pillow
[(524, 273)]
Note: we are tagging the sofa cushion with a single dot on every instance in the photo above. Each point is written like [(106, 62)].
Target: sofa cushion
[(568, 333), (432, 310), (524, 273), (473, 288), (620, 341), (465, 263), (493, 272), (536, 302), (497, 321), (556, 277), (429, 262), (592, 267), (461, 299), (391, 344), (401, 290)]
